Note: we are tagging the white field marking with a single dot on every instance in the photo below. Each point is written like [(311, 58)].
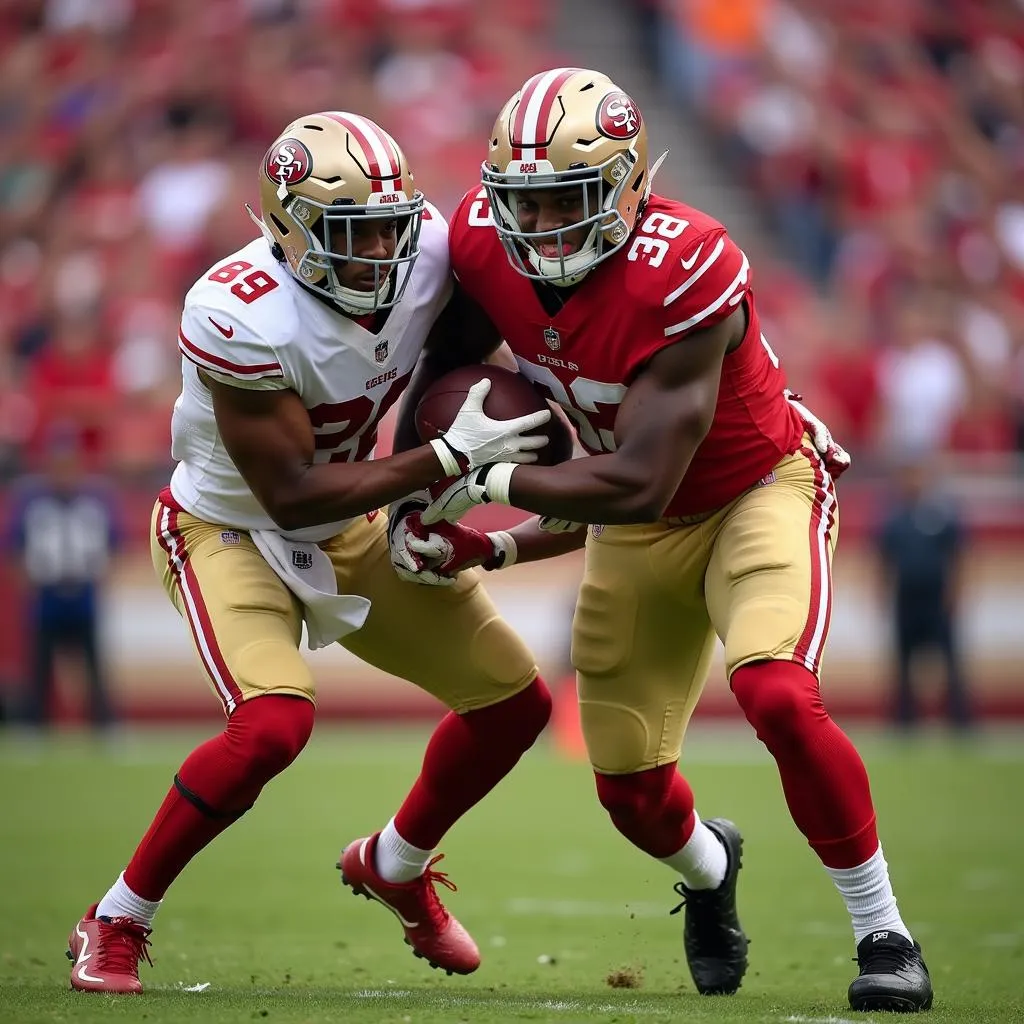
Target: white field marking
[(633, 1006), (797, 1019), (531, 906)]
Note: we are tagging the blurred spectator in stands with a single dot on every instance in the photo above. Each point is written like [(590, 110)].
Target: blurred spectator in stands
[(706, 42), (71, 380), (62, 530), (17, 416), (922, 382), (921, 544)]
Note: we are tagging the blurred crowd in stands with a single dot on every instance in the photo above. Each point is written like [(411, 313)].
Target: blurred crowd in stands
[(885, 140), (130, 135)]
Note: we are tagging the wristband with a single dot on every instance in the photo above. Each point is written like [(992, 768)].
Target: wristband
[(448, 457), (505, 551), (496, 479)]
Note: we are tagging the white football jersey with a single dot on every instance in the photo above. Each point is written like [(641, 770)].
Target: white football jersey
[(249, 323)]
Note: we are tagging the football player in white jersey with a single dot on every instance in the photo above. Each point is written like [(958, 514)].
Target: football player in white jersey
[(293, 349)]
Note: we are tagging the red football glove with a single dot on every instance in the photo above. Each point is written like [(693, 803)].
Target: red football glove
[(452, 547)]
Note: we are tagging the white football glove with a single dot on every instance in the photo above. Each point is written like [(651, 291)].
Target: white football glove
[(474, 439), (412, 564), (549, 524), (837, 458), (479, 486)]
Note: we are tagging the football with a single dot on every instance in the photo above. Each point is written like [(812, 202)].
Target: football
[(511, 395)]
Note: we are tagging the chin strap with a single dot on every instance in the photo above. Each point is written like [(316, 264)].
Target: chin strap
[(655, 167), (264, 230)]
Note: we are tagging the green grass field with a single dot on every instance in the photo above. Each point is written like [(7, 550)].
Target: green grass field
[(556, 899)]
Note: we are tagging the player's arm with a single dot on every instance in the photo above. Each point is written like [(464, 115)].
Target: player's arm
[(462, 334), (269, 436), (533, 543), (664, 416)]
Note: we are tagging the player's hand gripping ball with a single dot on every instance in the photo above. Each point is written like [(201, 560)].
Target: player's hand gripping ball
[(511, 396)]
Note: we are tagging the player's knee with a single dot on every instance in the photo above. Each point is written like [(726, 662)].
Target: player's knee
[(272, 731), (635, 799), (520, 718), (534, 704), (780, 700)]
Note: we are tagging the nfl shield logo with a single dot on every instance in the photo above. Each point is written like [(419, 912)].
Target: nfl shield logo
[(302, 559), (380, 353), (552, 339)]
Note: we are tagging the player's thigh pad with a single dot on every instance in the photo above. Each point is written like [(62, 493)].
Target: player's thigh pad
[(449, 641), (244, 623), (641, 643), (769, 583)]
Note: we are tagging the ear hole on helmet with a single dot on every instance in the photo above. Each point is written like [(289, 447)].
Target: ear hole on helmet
[(639, 181), (283, 228)]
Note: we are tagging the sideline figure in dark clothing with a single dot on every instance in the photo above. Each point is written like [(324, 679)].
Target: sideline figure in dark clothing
[(62, 530), (921, 542)]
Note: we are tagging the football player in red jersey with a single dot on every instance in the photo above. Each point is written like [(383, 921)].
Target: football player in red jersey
[(714, 491)]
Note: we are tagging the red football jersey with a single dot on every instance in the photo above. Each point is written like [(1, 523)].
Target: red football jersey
[(679, 273)]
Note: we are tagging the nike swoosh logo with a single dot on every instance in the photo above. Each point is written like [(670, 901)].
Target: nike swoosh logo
[(84, 957), (384, 903), (688, 264), (228, 332), (364, 857)]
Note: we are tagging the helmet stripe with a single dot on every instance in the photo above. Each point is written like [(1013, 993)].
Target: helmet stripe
[(378, 149), (537, 99)]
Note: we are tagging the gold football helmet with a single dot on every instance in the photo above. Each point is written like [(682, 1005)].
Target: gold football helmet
[(567, 127), (322, 173)]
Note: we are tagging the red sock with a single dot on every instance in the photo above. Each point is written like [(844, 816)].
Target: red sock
[(467, 756), (823, 778), (653, 809), (216, 785)]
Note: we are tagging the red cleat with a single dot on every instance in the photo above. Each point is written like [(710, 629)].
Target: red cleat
[(106, 954), (431, 931)]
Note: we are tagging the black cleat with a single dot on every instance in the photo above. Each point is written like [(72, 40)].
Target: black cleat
[(893, 976), (716, 948)]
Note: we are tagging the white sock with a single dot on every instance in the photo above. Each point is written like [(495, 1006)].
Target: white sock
[(867, 893), (395, 859), (702, 861), (120, 901)]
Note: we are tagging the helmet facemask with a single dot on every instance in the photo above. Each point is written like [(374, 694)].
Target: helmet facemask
[(330, 239), (601, 186)]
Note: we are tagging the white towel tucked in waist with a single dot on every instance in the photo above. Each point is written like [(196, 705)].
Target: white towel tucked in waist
[(307, 572)]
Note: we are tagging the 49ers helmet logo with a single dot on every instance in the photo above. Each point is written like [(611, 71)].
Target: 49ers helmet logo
[(288, 162), (618, 117)]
